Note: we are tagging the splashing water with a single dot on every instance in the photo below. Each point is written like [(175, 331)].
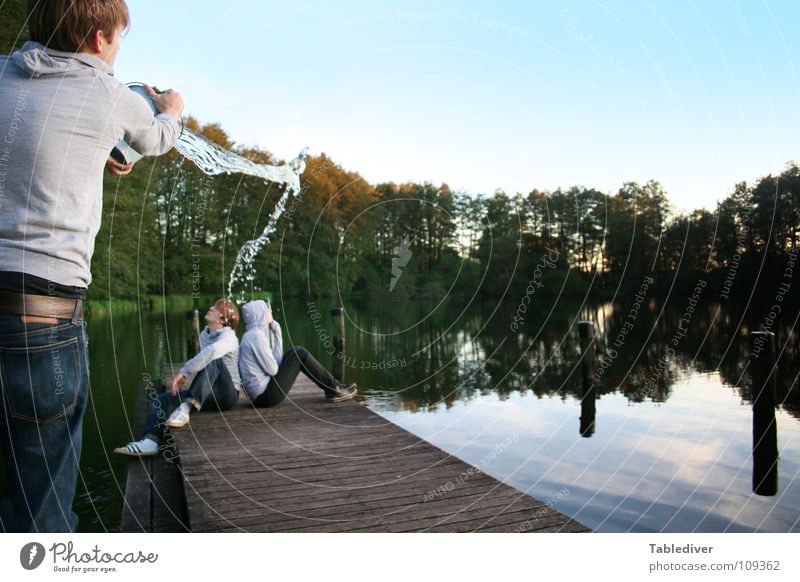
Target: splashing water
[(213, 160)]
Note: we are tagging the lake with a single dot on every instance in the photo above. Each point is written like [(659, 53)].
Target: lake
[(663, 441)]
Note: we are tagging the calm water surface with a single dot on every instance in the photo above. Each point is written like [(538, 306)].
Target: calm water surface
[(670, 448)]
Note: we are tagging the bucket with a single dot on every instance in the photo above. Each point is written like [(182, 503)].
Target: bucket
[(123, 152)]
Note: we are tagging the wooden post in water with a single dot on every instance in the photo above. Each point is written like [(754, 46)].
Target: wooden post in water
[(588, 401), (193, 344), (338, 343), (765, 430)]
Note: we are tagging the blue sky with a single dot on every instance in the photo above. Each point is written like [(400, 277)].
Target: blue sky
[(511, 95)]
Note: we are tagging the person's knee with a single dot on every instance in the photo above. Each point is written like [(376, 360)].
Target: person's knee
[(299, 351), (228, 402)]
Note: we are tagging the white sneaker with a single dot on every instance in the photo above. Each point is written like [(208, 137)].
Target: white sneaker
[(142, 448), (180, 416)]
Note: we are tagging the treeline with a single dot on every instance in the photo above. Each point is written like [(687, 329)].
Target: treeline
[(169, 229)]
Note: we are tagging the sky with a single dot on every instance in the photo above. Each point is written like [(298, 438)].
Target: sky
[(511, 94)]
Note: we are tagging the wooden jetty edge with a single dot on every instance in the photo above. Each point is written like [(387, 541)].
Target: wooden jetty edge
[(154, 500), (312, 466)]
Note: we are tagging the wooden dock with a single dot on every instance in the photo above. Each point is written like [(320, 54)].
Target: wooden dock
[(312, 466), (154, 500)]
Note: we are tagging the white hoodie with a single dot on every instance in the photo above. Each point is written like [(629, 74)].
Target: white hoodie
[(224, 344), (257, 362)]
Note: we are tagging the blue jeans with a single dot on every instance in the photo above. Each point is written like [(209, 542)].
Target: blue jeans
[(214, 381), (44, 376)]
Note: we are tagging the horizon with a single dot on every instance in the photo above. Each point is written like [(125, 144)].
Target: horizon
[(511, 97)]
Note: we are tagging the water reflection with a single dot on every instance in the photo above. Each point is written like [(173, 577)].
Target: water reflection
[(588, 379), (671, 391), (671, 453), (455, 354), (588, 409), (765, 429)]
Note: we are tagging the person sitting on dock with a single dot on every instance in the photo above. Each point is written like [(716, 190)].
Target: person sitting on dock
[(217, 376), (267, 373)]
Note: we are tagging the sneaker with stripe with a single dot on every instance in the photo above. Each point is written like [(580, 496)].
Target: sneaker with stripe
[(341, 392), (142, 448)]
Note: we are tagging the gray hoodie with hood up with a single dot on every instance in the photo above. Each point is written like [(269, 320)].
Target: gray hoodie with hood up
[(60, 115), (257, 361)]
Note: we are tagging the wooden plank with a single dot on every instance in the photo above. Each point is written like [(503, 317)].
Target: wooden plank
[(311, 466), (153, 500), (168, 506), (360, 513), (136, 501), (346, 502)]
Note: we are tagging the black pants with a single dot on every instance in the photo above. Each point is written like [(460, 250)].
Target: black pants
[(294, 360)]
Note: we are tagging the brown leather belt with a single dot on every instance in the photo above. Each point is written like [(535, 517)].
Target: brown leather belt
[(41, 306)]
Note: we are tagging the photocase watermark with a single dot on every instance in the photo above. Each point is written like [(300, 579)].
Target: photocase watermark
[(316, 322), (288, 214), (167, 443), (6, 147), (511, 30), (67, 559), (357, 363), (31, 555), (669, 91), (474, 85), (55, 354), (550, 507), (486, 460), (775, 309), (570, 21), (627, 326), (736, 11), (402, 254), (733, 267), (349, 361), (683, 328), (53, 339), (198, 238), (548, 261)]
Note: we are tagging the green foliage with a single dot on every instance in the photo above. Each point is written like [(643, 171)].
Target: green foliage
[(169, 230), (13, 30)]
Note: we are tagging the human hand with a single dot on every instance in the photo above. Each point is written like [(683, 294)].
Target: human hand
[(269, 316), (169, 101), (117, 168), (176, 383)]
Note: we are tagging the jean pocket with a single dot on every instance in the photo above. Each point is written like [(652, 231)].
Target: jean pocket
[(41, 383)]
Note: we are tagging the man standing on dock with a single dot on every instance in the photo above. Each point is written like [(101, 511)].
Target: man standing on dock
[(61, 113)]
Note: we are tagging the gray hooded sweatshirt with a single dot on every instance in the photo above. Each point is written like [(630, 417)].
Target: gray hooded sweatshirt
[(257, 361), (60, 116)]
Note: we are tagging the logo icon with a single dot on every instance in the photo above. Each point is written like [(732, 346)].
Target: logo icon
[(31, 555), (403, 255)]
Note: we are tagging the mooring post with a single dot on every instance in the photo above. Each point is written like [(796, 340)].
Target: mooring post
[(765, 429), (193, 343), (338, 343), (589, 359)]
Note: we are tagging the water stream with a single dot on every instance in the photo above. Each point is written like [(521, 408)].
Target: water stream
[(214, 160)]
